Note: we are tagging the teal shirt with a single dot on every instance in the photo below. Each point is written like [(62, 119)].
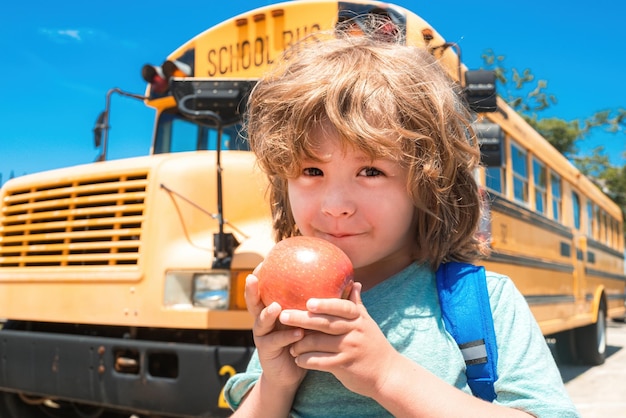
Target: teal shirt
[(406, 308)]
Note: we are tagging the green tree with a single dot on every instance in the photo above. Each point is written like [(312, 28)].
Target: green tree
[(615, 178), (595, 164), (610, 120), (562, 134)]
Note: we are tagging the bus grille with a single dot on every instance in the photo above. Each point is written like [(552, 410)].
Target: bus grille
[(95, 222)]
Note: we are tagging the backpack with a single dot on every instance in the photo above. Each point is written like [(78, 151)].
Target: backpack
[(470, 324)]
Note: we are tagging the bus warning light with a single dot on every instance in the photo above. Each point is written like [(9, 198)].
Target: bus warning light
[(155, 77)]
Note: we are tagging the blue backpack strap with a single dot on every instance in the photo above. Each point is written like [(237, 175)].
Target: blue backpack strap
[(466, 313)]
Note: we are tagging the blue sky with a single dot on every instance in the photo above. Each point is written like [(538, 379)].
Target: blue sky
[(61, 57)]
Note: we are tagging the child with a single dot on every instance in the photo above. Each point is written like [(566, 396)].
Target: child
[(367, 145)]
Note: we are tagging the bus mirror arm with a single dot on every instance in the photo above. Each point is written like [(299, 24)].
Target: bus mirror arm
[(222, 252), (194, 100), (101, 128)]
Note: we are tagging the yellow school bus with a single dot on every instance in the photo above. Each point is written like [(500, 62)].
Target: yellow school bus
[(121, 282), (556, 234)]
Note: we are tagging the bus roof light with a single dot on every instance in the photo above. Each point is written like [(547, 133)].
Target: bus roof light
[(427, 35), (278, 12), (155, 77), (175, 68)]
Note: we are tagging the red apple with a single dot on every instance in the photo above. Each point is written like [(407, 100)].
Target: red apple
[(300, 268)]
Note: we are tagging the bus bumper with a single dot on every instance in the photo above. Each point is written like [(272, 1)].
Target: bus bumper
[(138, 376)]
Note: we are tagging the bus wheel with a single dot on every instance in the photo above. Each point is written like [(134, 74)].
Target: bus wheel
[(591, 340), (566, 347)]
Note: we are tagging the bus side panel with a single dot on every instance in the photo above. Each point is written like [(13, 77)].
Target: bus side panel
[(559, 274), (538, 255)]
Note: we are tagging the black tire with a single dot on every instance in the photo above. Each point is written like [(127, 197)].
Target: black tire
[(591, 340), (565, 345)]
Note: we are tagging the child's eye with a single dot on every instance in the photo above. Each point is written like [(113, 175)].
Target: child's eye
[(312, 171), (371, 172)]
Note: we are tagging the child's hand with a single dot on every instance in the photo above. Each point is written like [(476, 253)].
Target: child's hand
[(273, 340), (345, 341)]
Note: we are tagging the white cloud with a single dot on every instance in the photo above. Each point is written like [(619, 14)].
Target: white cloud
[(69, 35)]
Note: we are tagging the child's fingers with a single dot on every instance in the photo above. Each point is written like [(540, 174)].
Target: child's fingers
[(251, 294), (342, 308), (266, 320), (355, 293), (338, 307)]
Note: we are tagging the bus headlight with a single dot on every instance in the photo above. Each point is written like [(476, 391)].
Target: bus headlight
[(203, 289), (211, 290)]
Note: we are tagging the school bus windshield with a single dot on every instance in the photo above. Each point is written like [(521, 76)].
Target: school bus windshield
[(175, 133)]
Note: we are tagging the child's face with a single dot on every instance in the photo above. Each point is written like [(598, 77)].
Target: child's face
[(358, 204)]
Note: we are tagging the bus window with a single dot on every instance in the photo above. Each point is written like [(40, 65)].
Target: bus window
[(520, 173), (576, 210), (555, 194), (589, 219), (185, 136), (177, 134), (609, 238), (605, 227), (539, 175), (493, 179), (598, 234)]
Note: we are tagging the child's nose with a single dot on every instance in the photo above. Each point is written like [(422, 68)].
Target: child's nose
[(338, 202)]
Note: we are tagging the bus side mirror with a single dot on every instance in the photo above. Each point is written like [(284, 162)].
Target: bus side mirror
[(490, 138), (480, 90), (98, 128)]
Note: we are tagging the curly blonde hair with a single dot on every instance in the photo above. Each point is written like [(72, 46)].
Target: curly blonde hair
[(389, 101)]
